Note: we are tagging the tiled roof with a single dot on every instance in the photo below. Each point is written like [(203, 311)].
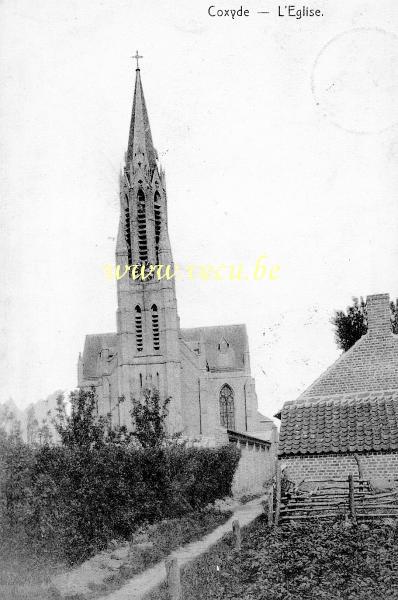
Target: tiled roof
[(362, 422)]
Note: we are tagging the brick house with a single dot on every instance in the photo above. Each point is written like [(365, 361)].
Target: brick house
[(347, 420)]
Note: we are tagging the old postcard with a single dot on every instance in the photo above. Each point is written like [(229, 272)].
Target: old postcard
[(199, 293)]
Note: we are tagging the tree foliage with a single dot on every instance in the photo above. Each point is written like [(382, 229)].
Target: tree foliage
[(80, 427), (351, 325), (10, 426), (79, 424), (149, 415)]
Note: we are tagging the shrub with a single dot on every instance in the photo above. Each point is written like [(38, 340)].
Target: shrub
[(71, 500), (203, 475), (101, 483), (311, 561)]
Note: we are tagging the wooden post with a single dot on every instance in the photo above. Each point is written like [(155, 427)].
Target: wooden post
[(278, 492), (353, 514), (173, 579), (237, 534), (360, 471), (270, 506)]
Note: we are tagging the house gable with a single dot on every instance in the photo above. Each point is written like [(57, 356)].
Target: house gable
[(370, 365)]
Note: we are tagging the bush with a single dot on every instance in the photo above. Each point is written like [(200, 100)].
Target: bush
[(203, 475), (102, 483), (316, 560), (69, 501)]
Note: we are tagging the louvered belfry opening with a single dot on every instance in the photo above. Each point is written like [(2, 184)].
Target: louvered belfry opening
[(158, 223), (138, 329), (127, 232), (141, 226), (155, 327)]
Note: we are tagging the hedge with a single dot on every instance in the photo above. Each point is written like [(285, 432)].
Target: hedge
[(71, 501)]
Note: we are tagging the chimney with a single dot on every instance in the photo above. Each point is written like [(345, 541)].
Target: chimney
[(379, 319)]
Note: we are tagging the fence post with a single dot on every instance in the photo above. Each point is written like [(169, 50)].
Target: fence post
[(237, 534), (270, 506), (278, 492), (173, 579), (353, 514)]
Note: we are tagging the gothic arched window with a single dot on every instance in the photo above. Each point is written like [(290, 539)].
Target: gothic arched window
[(138, 328), (227, 408), (141, 220), (158, 222), (155, 327)]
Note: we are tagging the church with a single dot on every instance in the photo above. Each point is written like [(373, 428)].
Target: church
[(204, 370)]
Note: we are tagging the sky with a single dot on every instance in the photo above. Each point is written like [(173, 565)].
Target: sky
[(279, 138)]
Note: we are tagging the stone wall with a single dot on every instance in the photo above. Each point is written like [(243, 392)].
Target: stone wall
[(339, 466), (257, 463), (200, 391), (255, 468), (193, 406)]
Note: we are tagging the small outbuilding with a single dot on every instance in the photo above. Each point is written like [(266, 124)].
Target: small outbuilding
[(347, 420)]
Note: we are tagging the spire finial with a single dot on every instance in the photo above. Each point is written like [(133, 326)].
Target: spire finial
[(140, 139), (137, 57)]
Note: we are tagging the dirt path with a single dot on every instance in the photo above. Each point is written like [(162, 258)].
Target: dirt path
[(149, 580)]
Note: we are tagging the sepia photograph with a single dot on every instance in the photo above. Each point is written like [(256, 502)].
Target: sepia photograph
[(199, 300)]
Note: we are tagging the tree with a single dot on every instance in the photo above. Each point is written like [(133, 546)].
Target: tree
[(10, 426), (394, 315), (44, 433), (351, 325), (149, 415), (32, 426), (81, 427)]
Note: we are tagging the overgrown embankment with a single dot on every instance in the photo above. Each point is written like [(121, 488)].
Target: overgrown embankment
[(327, 561)]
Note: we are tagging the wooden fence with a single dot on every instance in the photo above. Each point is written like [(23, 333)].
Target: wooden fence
[(325, 499)]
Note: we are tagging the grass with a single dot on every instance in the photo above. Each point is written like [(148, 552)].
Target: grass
[(26, 576), (165, 536), (303, 562)]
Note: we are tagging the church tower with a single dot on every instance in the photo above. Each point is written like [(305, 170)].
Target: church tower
[(147, 319), (205, 371)]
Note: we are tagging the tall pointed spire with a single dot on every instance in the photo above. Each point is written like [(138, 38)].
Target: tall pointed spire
[(140, 146)]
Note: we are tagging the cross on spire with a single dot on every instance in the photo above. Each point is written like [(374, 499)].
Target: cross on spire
[(137, 57)]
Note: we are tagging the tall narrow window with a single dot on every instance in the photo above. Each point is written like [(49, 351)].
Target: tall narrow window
[(155, 327), (158, 222), (227, 409), (127, 232), (138, 328), (142, 235)]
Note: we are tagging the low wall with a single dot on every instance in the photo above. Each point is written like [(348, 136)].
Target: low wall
[(339, 466), (254, 469), (256, 465)]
